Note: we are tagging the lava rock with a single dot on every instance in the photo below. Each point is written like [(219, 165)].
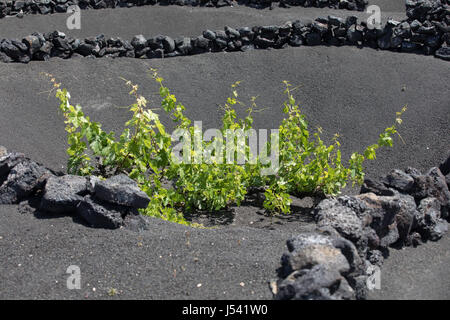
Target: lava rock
[(354, 35), (101, 214), (185, 46), (168, 44), (121, 190), (263, 43), (399, 180), (432, 184), (405, 216), (86, 49), (383, 211), (375, 257), (296, 40), (330, 212), (33, 44), (317, 283), (63, 194), (376, 187), (9, 161), (310, 250), (313, 39), (202, 43), (139, 42), (428, 222), (11, 50), (210, 35), (23, 180)]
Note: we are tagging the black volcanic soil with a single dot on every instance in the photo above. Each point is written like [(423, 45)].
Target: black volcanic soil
[(348, 90)]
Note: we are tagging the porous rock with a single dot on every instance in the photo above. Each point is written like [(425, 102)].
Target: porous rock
[(428, 221), (317, 283), (24, 179), (399, 180), (330, 212), (62, 194), (121, 190), (100, 214)]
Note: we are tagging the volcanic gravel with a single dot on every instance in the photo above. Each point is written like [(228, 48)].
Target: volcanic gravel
[(354, 92)]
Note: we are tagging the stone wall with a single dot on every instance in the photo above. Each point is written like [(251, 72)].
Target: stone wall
[(110, 203), (354, 234), (425, 31), (21, 7)]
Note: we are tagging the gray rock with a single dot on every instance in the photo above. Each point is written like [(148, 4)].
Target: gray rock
[(202, 43), (33, 44), (350, 20), (319, 27), (359, 285), (335, 21), (63, 194), (295, 40), (330, 212), (405, 216), (358, 206), (432, 184), (121, 190), (443, 53), (102, 215), (313, 39), (91, 182), (168, 44), (23, 180), (11, 50), (185, 46), (85, 49), (350, 252), (412, 171), (428, 222), (376, 187), (5, 58), (311, 254), (210, 35), (306, 239), (9, 161), (375, 257), (139, 42), (409, 46), (384, 42), (415, 25), (399, 180), (354, 35), (232, 33), (373, 240), (263, 43), (383, 210), (317, 283), (414, 239), (390, 237)]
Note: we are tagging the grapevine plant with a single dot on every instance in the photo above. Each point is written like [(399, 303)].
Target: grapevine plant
[(144, 151)]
